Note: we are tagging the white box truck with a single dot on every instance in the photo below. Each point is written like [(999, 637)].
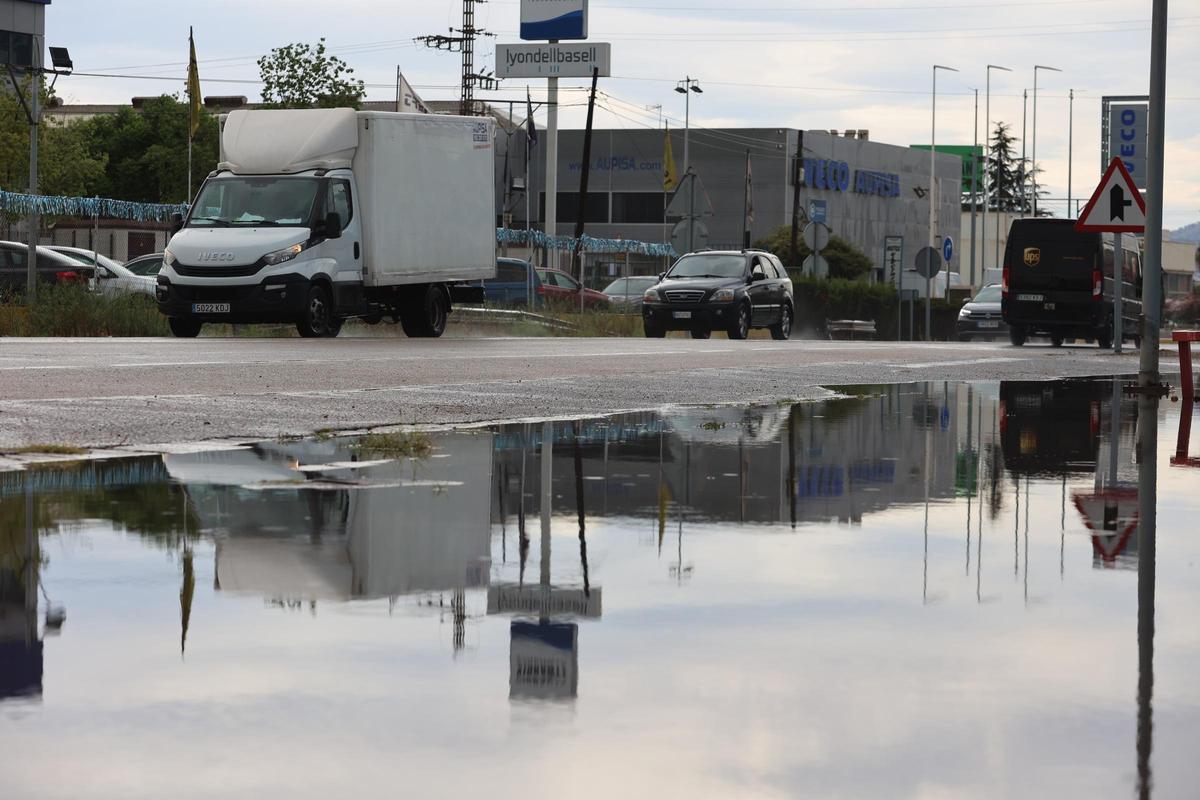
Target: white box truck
[(316, 216)]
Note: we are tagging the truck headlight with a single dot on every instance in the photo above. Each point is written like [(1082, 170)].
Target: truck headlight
[(280, 256), (168, 257), (650, 296), (723, 295)]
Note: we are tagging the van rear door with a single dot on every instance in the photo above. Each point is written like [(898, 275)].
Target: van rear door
[(1051, 256)]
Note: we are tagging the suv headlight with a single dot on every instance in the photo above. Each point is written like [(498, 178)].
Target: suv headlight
[(963, 313), (168, 257), (650, 296), (286, 254), (724, 295)]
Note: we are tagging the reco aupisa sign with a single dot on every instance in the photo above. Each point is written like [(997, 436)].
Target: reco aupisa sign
[(820, 173)]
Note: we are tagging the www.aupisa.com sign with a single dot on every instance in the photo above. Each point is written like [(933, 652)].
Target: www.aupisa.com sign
[(561, 60)]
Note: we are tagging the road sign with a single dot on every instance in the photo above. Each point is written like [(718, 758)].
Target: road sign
[(554, 60), (893, 254), (1125, 128), (816, 236), (928, 263), (554, 19), (1116, 205), (818, 210), (816, 266), (679, 236), (947, 249)]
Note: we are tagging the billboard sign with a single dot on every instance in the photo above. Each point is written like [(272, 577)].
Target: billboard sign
[(1128, 135), (554, 19), (553, 60)]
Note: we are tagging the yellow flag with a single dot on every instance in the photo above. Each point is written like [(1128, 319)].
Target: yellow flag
[(193, 85), (670, 172)]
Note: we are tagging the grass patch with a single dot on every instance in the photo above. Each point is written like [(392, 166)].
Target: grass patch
[(324, 434), (71, 310), (48, 450), (396, 445)]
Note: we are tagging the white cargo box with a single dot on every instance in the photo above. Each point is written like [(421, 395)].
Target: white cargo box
[(427, 194)]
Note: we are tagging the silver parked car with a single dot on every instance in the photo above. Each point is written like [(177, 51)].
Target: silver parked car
[(112, 277), (625, 294), (980, 316)]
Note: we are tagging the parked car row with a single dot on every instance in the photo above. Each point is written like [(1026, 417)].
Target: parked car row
[(62, 264)]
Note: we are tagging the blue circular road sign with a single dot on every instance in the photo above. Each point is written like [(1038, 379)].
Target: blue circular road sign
[(947, 249)]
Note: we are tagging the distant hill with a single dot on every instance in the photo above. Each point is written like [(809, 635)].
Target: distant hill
[(1188, 233)]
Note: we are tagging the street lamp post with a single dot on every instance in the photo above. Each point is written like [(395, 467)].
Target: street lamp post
[(1033, 166), (987, 151), (933, 200), (685, 87)]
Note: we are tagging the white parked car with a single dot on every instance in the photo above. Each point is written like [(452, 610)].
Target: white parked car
[(112, 277)]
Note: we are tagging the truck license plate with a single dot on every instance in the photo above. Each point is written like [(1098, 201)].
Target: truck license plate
[(683, 315), (210, 308), (989, 324), (1031, 298)]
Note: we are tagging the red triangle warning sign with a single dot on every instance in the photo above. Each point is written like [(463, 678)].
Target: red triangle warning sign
[(1116, 205)]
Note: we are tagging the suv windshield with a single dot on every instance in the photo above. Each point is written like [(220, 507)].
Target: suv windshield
[(256, 202), (988, 294), (709, 265)]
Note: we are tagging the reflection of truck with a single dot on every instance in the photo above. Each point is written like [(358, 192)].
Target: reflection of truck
[(300, 522), (315, 216), (1052, 427)]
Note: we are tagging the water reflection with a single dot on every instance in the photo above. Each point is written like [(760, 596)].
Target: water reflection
[(805, 528)]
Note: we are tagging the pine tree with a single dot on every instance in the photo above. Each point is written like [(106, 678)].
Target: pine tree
[(1011, 177)]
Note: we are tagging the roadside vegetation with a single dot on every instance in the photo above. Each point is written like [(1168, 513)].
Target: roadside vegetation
[(73, 311)]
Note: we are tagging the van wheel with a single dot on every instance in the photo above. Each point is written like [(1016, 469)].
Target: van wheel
[(1056, 340), (317, 318), (701, 333), (1104, 339), (184, 328), (424, 317), (1016, 335)]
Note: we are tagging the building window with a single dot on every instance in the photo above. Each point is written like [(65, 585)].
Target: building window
[(568, 207), (16, 48), (637, 207)]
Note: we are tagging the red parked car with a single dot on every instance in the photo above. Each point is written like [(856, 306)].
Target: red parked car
[(560, 289)]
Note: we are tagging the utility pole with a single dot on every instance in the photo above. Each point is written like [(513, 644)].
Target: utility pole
[(685, 87), (464, 42), (797, 171), (1033, 170), (1070, 149), (1024, 174), (974, 202), (583, 182), (1152, 280)]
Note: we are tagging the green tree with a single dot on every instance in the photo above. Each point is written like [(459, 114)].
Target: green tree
[(67, 165), (302, 76), (845, 260), (1009, 176), (147, 150)]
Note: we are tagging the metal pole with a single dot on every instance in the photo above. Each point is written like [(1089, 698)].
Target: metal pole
[(1024, 176), (551, 216), (1118, 293), (35, 221), (687, 162), (1152, 271), (1070, 147), (974, 203), (1033, 159), (932, 220)]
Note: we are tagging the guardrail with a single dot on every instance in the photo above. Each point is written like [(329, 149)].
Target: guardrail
[(512, 316)]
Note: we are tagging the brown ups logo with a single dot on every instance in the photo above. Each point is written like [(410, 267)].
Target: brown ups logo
[(1033, 256)]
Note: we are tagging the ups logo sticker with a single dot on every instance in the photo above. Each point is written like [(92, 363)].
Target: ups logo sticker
[(1033, 256)]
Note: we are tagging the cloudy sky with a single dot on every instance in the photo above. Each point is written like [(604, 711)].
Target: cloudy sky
[(811, 64)]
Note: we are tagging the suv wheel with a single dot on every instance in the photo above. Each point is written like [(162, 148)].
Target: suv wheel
[(740, 328), (783, 329), (653, 332)]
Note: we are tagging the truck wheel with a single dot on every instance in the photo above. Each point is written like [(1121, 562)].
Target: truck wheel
[(740, 328), (1016, 335), (183, 328), (317, 320), (1056, 340), (425, 316)]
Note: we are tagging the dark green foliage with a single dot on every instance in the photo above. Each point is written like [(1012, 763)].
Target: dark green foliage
[(845, 260), (818, 301), (302, 76)]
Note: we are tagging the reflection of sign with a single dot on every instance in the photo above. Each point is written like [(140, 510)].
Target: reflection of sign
[(1112, 517), (543, 601), (543, 660), (553, 60), (1116, 205), (554, 19)]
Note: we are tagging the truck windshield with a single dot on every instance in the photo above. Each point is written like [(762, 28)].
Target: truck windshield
[(255, 202)]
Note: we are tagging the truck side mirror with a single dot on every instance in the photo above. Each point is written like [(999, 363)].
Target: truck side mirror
[(176, 223), (333, 225)]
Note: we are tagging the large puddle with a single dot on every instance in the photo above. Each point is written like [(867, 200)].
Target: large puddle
[(934, 590)]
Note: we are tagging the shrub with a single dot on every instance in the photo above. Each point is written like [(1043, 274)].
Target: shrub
[(845, 260), (69, 310), (818, 301)]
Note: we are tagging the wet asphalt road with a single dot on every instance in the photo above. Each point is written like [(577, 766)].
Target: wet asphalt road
[(130, 392)]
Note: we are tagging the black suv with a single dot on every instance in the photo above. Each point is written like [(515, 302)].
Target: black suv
[(727, 290)]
